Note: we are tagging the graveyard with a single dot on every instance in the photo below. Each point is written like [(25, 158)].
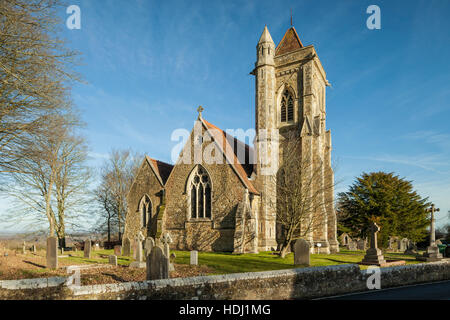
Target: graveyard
[(33, 265)]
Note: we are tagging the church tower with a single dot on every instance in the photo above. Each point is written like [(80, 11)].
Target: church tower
[(290, 101), (266, 141)]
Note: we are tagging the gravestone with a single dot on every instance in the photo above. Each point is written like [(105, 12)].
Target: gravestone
[(24, 248), (139, 254), (52, 252), (374, 256), (403, 245), (361, 244), (126, 247), (118, 250), (352, 245), (438, 242), (149, 244), (157, 265), (166, 240), (33, 248), (87, 248), (113, 260), (412, 248), (432, 254), (194, 257), (301, 252)]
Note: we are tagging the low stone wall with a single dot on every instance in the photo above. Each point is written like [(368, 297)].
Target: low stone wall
[(305, 283)]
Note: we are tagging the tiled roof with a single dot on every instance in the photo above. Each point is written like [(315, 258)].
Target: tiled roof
[(244, 170), (162, 169), (290, 42)]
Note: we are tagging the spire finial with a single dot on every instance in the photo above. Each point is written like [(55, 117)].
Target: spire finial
[(199, 110)]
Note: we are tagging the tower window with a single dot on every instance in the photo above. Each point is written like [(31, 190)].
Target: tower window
[(287, 107), (200, 193)]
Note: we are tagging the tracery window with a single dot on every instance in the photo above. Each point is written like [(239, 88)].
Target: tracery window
[(145, 209), (200, 193), (287, 107)]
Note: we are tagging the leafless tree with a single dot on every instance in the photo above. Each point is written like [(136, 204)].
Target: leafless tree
[(50, 177), (117, 175), (34, 73), (302, 189)]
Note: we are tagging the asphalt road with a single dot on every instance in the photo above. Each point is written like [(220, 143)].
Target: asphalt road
[(427, 291)]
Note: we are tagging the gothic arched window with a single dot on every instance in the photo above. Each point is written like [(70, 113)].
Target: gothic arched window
[(145, 208), (287, 107), (200, 193)]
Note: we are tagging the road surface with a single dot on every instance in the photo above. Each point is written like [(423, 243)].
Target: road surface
[(428, 291)]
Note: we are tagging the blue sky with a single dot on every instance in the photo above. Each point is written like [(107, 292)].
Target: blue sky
[(149, 64)]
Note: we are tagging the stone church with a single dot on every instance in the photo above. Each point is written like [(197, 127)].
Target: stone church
[(228, 204)]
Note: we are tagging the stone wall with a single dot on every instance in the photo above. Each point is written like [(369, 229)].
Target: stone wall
[(305, 283)]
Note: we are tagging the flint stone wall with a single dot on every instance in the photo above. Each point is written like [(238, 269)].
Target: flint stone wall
[(303, 283)]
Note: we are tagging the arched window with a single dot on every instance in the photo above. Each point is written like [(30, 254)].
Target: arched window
[(200, 193), (287, 107), (145, 208)]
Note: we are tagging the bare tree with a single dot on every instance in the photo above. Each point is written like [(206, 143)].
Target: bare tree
[(34, 73), (302, 188), (117, 175), (50, 177)]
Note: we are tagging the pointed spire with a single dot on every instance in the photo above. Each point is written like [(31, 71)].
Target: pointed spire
[(290, 42), (265, 37)]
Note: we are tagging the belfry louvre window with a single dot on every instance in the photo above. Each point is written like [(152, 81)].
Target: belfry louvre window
[(287, 107), (200, 193)]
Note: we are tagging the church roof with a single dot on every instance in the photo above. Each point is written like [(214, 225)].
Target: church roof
[(161, 169), (244, 170), (290, 42)]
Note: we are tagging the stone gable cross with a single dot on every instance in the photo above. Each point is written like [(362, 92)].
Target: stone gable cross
[(374, 229), (199, 110)]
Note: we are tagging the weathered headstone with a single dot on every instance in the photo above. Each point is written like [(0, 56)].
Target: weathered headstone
[(166, 240), (361, 244), (113, 260), (139, 254), (149, 244), (118, 250), (33, 248), (194, 257), (87, 248), (301, 252), (52, 252), (374, 256), (403, 244), (24, 248), (157, 265), (412, 248), (352, 245), (126, 247)]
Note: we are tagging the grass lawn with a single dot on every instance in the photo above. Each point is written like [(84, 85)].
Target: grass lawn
[(223, 263)]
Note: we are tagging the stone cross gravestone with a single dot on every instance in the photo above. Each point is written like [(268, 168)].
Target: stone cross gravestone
[(157, 265), (374, 256), (432, 253), (149, 244), (113, 260), (166, 241), (194, 257), (126, 247), (301, 252), (52, 252), (118, 250), (87, 248), (139, 254)]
